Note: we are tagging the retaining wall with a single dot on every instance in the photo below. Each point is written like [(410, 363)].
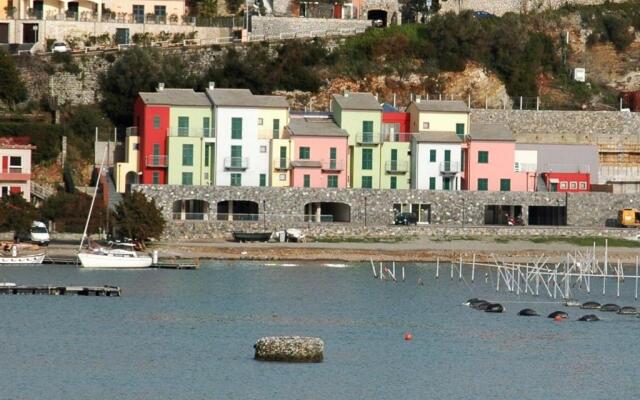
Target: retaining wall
[(271, 26), (500, 7)]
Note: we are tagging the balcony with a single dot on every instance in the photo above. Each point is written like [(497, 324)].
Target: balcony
[(449, 167), (396, 167), (368, 138), (236, 163), (157, 161), (396, 137), (132, 131), (332, 165), (281, 164), (190, 132), (524, 167)]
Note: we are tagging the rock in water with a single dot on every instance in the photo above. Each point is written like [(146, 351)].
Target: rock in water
[(289, 349)]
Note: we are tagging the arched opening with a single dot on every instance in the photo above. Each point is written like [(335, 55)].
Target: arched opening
[(237, 210), (327, 212), (191, 209), (131, 178), (379, 18)]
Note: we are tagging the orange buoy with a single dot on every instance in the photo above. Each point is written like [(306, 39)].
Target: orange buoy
[(408, 336), (558, 318)]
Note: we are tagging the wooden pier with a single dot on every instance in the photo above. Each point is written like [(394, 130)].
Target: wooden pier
[(163, 263), (107, 291)]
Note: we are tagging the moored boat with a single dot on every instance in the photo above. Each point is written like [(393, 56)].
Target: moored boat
[(24, 259), (251, 236), (120, 255)]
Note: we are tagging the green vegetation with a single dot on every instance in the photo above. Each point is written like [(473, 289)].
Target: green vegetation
[(138, 218), (365, 239), (12, 89), (69, 212), (45, 137), (16, 214)]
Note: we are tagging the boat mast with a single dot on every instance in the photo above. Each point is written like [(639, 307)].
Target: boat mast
[(93, 200)]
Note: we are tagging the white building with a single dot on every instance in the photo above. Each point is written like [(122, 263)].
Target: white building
[(437, 161), (15, 166)]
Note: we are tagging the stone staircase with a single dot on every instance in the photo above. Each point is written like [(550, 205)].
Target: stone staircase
[(41, 192)]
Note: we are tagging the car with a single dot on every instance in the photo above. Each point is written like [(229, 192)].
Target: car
[(482, 14), (39, 233), (405, 219), (59, 47)]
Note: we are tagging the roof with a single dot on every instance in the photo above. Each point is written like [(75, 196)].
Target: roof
[(306, 164), (441, 105), (244, 98), (491, 132), (386, 107), (437, 137), (176, 97), (315, 127), (16, 142), (357, 101)]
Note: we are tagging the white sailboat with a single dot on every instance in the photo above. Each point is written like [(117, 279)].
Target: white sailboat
[(118, 255)]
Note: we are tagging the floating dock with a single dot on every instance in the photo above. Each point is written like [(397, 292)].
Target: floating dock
[(108, 291), (161, 264)]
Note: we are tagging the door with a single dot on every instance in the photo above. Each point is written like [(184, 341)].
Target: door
[(72, 9), (138, 13), (447, 160), (122, 36), (446, 183), (4, 33), (236, 156), (29, 33), (38, 7)]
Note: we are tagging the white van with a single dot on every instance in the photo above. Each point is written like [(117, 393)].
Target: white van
[(39, 233)]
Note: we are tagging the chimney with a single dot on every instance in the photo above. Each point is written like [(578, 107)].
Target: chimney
[(417, 98), (160, 86), (212, 85), (345, 93)]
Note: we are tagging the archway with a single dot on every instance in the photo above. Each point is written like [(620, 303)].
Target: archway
[(379, 18), (327, 212), (190, 209), (237, 210), (131, 178)]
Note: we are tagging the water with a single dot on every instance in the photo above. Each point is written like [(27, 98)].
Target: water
[(189, 335)]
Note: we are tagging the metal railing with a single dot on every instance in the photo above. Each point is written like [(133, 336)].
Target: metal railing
[(314, 218), (368, 138), (396, 166), (236, 163), (524, 167), (237, 217), (396, 137), (40, 191), (132, 131), (449, 167), (157, 160), (15, 170), (190, 216), (282, 164), (190, 132), (332, 165)]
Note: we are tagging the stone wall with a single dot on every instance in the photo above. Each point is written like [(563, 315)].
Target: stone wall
[(272, 26), (500, 7), (282, 208)]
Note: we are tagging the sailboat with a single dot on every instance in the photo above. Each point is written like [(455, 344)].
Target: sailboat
[(117, 255)]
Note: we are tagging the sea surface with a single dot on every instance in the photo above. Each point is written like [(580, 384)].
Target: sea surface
[(190, 335)]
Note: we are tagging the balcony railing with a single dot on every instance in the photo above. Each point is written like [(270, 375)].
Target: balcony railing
[(332, 165), (132, 131), (238, 217), (157, 160), (368, 138), (190, 216), (236, 163), (399, 167), (396, 137), (190, 132), (282, 164), (449, 167)]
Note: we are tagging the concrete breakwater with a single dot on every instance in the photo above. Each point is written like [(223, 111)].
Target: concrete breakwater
[(289, 349)]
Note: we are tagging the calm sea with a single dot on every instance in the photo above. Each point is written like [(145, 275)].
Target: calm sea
[(189, 335)]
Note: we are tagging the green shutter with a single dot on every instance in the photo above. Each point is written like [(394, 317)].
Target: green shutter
[(206, 126), (432, 183), (236, 128), (183, 126), (366, 182), (307, 180), (483, 157), (305, 153), (276, 128), (187, 178), (505, 185), (283, 156), (483, 184), (432, 155), (236, 179), (263, 179), (156, 122), (187, 155), (367, 126), (367, 159), (446, 183), (332, 181), (460, 129), (333, 153), (236, 156), (207, 152), (394, 183)]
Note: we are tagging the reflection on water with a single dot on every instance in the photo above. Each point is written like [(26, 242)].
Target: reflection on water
[(189, 335)]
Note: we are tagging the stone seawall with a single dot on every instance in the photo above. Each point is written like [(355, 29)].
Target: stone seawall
[(500, 7), (282, 208), (271, 26)]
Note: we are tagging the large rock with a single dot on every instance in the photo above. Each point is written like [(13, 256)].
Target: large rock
[(289, 349)]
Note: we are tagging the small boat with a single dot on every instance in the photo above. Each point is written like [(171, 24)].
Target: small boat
[(119, 255), (251, 236), (14, 258)]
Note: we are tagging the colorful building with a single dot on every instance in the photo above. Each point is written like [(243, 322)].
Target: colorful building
[(439, 116), (437, 161), (320, 153), (360, 115), (566, 181), (15, 170), (395, 152)]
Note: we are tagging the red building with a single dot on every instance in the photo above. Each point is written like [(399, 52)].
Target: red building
[(151, 117), (395, 124), (567, 181)]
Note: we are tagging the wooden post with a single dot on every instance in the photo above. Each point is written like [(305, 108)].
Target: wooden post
[(473, 268), (437, 267)]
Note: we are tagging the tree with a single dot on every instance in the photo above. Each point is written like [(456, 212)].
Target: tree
[(16, 214), (12, 89), (138, 218), (419, 9), (69, 211)]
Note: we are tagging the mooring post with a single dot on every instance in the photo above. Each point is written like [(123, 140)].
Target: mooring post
[(437, 267), (381, 272), (373, 268), (394, 268), (606, 264), (451, 267), (460, 272), (473, 268), (636, 277), (402, 274), (618, 276)]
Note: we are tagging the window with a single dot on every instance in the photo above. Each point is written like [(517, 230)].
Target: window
[(15, 164), (263, 179), (332, 181), (564, 185), (367, 159), (583, 185), (156, 149), (155, 178), (160, 12), (432, 183), (425, 125), (462, 156), (394, 182), (206, 126), (260, 121), (207, 154), (282, 177), (138, 13), (306, 180), (187, 178), (187, 155), (236, 179), (263, 149), (276, 128), (305, 153), (367, 182), (236, 156), (155, 159), (236, 128), (367, 131), (432, 155), (573, 185), (460, 129), (505, 185), (183, 126), (446, 183), (483, 184), (156, 122), (483, 157), (283, 157)]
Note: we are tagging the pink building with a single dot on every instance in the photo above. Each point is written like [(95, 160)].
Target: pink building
[(490, 161), (15, 170), (319, 156)]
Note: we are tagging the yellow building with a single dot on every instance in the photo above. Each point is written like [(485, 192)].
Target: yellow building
[(271, 123), (439, 116), (127, 172)]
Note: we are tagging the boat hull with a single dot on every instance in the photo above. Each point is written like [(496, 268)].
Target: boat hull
[(251, 236), (30, 259), (109, 261)]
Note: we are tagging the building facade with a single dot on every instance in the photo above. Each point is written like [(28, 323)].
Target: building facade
[(15, 170)]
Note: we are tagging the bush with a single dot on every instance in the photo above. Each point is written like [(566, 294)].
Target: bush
[(12, 89), (69, 212), (138, 218), (16, 214), (617, 30), (47, 138)]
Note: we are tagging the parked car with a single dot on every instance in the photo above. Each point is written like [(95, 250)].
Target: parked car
[(482, 14), (406, 219), (39, 233), (59, 47)]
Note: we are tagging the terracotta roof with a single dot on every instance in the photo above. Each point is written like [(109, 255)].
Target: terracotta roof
[(244, 98), (437, 137), (491, 132), (315, 127), (441, 105), (357, 101), (16, 142), (306, 164), (175, 97)]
